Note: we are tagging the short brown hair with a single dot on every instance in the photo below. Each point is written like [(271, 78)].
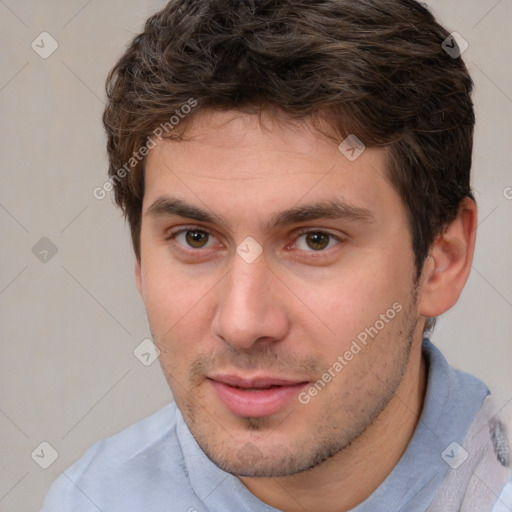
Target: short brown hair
[(372, 68)]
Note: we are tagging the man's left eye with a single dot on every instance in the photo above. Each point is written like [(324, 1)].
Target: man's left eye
[(316, 241)]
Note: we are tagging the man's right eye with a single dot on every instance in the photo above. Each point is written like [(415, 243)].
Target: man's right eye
[(192, 238)]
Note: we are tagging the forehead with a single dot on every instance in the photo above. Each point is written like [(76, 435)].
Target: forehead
[(263, 163)]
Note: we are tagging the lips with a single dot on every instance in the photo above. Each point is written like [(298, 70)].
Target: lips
[(255, 397)]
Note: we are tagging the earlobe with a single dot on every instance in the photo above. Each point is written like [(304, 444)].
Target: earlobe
[(448, 264)]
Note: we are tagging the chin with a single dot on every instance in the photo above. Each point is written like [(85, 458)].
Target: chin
[(263, 459)]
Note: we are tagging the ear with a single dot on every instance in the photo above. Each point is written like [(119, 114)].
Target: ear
[(448, 264), (138, 276)]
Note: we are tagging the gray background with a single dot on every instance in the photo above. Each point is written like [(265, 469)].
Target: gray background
[(69, 325)]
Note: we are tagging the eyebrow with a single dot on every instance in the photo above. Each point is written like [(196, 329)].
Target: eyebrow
[(332, 209)]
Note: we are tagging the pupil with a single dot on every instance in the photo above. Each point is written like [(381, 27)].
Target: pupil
[(317, 241), (196, 238)]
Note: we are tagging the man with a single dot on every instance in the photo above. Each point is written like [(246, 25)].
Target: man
[(296, 176)]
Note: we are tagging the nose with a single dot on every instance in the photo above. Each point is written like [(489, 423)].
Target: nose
[(251, 306)]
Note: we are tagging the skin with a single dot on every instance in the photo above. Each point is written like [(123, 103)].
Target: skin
[(296, 307)]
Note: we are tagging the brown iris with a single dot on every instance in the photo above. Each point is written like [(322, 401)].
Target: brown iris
[(317, 240), (196, 239)]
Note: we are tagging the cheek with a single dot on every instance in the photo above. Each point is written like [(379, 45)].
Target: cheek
[(353, 299), (179, 314), (166, 303)]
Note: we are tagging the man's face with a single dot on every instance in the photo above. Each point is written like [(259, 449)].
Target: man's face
[(277, 360)]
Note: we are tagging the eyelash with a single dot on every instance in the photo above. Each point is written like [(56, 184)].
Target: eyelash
[(301, 232)]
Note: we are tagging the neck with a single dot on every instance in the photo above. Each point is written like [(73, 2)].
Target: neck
[(360, 467)]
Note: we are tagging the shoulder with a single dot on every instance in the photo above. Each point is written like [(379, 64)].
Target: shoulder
[(115, 473), (127, 446)]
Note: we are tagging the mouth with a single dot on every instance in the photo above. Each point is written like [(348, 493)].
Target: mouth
[(255, 397)]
